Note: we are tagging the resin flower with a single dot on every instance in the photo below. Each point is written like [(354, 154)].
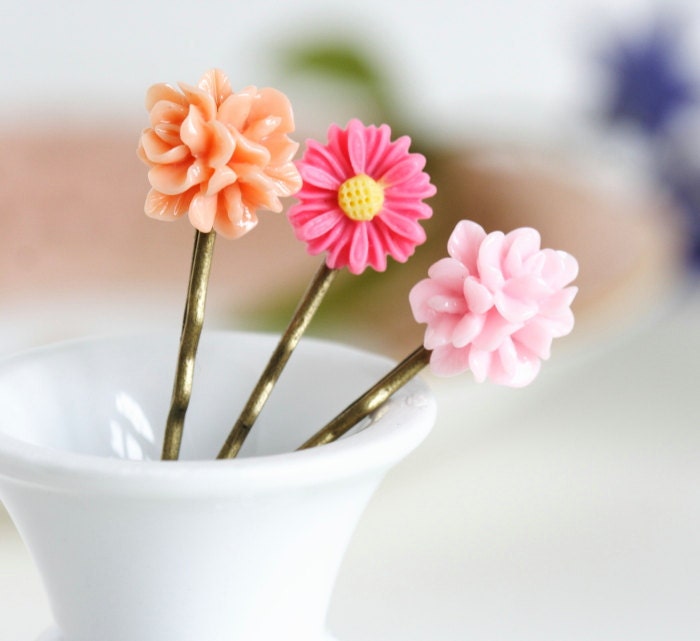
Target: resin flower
[(495, 304), (218, 155), (362, 198)]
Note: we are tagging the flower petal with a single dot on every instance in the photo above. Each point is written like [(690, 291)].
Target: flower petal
[(514, 372), (479, 363), (450, 272), (440, 331), (166, 112), (518, 300), (261, 129), (447, 361), (321, 157), (489, 261), (536, 337), (508, 358), (419, 299), (158, 151), (203, 211), (199, 99), (446, 304), (404, 170), (249, 151), (163, 92), (257, 188), (518, 246), (216, 84), (359, 249), (210, 140), (467, 329), (166, 207), (357, 151), (234, 111), (221, 178), (318, 177), (338, 243), (282, 150), (376, 256), (559, 268), (464, 243), (236, 219), (176, 178), (496, 329), (271, 101), (419, 186), (479, 298), (388, 156), (319, 225), (403, 226), (378, 140), (286, 179)]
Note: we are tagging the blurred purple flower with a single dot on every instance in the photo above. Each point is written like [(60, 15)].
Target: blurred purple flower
[(648, 83), (652, 88), (679, 170), (687, 195)]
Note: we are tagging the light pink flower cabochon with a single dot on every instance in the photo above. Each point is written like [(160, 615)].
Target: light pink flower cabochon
[(495, 304)]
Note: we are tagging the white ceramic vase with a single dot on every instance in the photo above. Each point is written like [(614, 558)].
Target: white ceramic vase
[(134, 549)]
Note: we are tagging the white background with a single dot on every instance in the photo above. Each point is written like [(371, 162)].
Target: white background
[(453, 62)]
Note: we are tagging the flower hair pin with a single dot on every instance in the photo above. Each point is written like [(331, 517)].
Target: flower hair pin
[(217, 156), (361, 201), (493, 307)]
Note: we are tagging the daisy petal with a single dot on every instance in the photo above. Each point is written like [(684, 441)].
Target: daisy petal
[(357, 151), (359, 249), (318, 177)]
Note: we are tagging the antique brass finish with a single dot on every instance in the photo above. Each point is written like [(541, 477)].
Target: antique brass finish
[(189, 340), (300, 320), (372, 399)]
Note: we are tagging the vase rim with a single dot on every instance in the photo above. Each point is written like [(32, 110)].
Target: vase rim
[(395, 430)]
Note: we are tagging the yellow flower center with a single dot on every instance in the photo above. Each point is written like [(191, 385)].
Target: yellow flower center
[(361, 197)]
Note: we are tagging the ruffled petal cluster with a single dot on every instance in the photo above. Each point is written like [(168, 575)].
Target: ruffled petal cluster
[(495, 304), (216, 155), (389, 188)]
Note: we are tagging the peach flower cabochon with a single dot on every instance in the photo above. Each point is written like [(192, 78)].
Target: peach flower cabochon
[(216, 155), (362, 198), (495, 304)]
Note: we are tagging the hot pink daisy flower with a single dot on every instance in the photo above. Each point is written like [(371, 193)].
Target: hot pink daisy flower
[(361, 198), (216, 155), (495, 304)]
